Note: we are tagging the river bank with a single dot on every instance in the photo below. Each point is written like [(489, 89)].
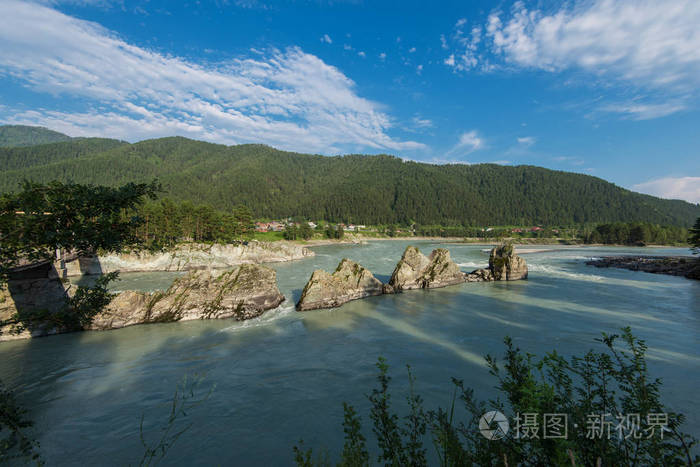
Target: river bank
[(685, 266), (187, 257)]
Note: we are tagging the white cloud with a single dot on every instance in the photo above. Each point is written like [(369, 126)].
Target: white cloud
[(470, 57), (647, 42), (642, 111), (650, 44), (419, 69), (469, 141), (686, 188), (347, 47), (382, 56), (289, 99), (361, 54), (94, 3), (327, 39), (422, 122), (472, 140), (411, 50), (527, 140), (443, 42)]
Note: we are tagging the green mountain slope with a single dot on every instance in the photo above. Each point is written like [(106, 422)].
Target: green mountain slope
[(43, 154), (20, 135), (354, 188)]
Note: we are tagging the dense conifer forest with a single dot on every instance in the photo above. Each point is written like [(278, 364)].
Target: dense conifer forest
[(21, 135), (354, 188)]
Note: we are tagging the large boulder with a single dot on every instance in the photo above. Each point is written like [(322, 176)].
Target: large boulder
[(506, 265), (349, 281), (243, 292), (416, 271)]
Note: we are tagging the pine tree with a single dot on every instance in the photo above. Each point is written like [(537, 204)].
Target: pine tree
[(694, 238)]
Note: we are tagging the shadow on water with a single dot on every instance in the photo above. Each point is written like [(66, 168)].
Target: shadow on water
[(296, 295), (383, 277)]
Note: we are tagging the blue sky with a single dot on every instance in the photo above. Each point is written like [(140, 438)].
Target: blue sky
[(604, 87)]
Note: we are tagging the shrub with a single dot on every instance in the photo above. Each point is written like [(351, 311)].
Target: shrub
[(608, 395)]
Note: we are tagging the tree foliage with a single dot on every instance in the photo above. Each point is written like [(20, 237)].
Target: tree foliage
[(22, 135), (636, 233), (39, 219), (16, 445), (694, 238), (166, 222), (352, 189)]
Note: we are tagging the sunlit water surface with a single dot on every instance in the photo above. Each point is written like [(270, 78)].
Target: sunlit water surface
[(284, 376)]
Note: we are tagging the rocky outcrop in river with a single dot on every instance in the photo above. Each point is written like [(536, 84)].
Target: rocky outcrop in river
[(190, 257), (243, 292), (672, 265), (504, 265), (349, 281), (240, 293), (416, 271)]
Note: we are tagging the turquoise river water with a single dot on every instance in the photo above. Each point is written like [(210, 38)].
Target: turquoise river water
[(284, 375)]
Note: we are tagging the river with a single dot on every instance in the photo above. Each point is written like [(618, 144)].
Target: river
[(283, 376)]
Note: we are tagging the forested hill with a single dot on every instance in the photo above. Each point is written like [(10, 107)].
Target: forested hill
[(354, 188), (20, 135)]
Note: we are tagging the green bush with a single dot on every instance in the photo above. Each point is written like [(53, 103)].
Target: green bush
[(610, 385)]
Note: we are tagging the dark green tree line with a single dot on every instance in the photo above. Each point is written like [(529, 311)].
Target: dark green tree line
[(694, 238), (635, 233), (165, 223), (375, 190)]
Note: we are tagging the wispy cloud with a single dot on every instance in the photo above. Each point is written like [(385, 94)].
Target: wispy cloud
[(471, 141), (686, 188), (422, 122), (651, 45), (93, 3), (527, 141), (468, 42), (327, 39), (643, 111), (468, 142), (569, 159), (646, 42), (286, 98)]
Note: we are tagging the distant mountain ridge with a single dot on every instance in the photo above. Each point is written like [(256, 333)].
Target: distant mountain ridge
[(353, 188), (21, 135)]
